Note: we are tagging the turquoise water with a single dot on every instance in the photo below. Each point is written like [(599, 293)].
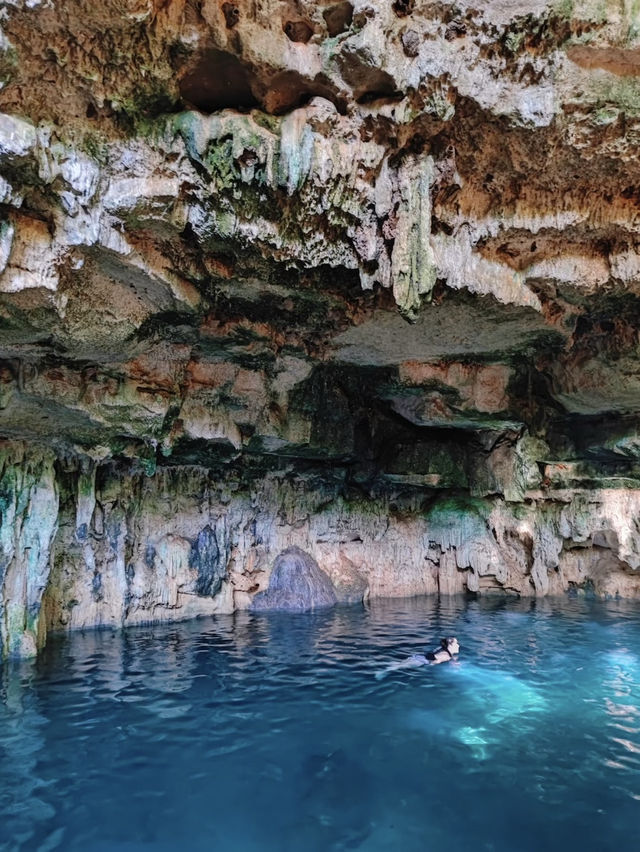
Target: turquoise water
[(283, 732)]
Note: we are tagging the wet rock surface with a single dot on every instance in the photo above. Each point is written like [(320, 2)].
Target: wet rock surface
[(296, 584), (380, 256)]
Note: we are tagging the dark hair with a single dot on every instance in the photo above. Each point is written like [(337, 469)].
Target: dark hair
[(446, 641)]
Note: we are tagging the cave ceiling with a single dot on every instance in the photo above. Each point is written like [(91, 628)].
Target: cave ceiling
[(356, 234)]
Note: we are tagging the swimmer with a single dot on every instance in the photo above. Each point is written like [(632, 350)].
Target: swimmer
[(448, 650)]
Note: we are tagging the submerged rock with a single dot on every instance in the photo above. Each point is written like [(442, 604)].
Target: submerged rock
[(330, 815), (297, 583)]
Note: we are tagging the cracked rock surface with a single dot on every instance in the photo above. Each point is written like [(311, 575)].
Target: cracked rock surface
[(358, 278)]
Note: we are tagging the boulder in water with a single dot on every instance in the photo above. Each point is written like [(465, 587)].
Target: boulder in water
[(297, 583)]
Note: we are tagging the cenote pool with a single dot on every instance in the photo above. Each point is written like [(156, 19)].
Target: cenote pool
[(282, 732)]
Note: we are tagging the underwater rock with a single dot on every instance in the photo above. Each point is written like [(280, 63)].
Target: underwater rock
[(339, 817), (297, 583)]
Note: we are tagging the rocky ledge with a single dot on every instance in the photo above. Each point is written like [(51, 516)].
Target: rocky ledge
[(358, 278)]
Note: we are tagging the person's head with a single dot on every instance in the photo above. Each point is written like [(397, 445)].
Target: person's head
[(450, 644)]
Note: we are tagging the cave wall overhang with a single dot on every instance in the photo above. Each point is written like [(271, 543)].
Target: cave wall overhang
[(386, 251)]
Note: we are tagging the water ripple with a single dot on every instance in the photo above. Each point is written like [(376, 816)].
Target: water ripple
[(277, 732)]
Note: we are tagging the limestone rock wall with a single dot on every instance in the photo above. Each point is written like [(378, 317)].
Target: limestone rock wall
[(28, 523), (354, 276), (97, 546)]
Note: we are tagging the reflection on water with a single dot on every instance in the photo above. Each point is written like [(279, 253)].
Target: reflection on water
[(274, 732)]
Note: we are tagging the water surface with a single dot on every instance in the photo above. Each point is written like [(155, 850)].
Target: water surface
[(283, 732)]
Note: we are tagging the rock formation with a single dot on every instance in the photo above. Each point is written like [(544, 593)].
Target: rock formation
[(297, 583), (356, 277)]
